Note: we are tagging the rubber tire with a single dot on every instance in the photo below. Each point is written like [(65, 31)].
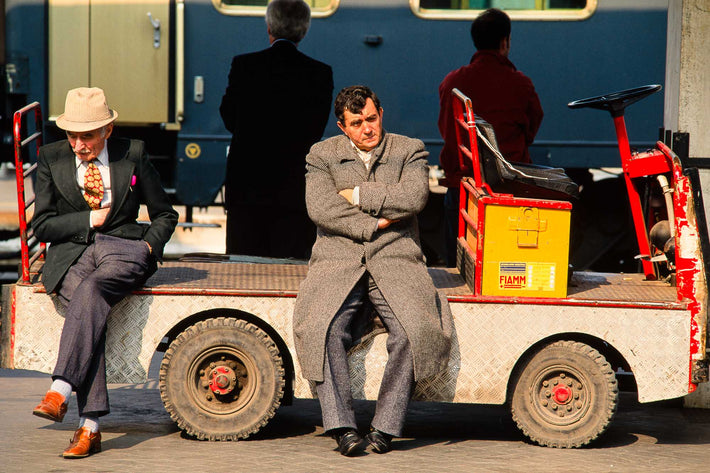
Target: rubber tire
[(184, 392), (590, 415)]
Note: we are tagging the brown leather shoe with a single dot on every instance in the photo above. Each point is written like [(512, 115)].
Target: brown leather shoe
[(83, 444), (52, 407)]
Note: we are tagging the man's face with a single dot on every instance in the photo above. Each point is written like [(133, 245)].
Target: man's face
[(364, 128), (88, 144)]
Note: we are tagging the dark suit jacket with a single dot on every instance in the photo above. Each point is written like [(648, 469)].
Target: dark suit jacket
[(276, 106), (62, 215)]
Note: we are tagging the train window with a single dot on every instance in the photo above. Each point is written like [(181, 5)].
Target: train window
[(516, 9), (319, 8)]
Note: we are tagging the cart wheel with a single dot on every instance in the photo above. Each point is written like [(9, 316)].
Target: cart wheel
[(565, 395), (222, 379)]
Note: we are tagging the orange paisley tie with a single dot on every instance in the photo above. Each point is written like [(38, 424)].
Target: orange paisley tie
[(93, 186)]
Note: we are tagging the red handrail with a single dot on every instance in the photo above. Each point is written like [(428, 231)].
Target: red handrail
[(465, 125), (467, 148), (20, 175)]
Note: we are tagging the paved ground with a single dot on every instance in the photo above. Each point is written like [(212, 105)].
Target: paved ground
[(139, 436)]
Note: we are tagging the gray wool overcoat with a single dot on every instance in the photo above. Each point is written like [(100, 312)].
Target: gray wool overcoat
[(349, 243)]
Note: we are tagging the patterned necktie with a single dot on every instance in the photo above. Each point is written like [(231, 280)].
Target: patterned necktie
[(93, 186)]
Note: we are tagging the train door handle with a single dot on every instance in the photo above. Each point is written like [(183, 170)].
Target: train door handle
[(156, 30), (373, 40)]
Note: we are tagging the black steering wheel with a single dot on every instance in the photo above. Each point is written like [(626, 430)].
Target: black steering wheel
[(616, 102)]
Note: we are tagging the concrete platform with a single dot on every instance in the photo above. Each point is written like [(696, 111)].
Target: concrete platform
[(139, 436)]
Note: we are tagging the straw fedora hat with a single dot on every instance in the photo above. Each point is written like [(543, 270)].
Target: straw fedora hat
[(85, 109)]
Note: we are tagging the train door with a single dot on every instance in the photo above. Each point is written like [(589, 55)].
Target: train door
[(120, 46)]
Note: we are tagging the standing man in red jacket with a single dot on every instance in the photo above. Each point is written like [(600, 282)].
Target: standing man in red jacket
[(500, 94)]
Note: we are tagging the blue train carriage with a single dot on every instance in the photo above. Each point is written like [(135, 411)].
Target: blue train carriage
[(164, 65)]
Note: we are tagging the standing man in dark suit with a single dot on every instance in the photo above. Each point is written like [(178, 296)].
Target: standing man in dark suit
[(364, 190), (276, 106), (88, 193)]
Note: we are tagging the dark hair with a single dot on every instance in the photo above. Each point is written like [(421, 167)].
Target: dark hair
[(288, 19), (490, 28), (353, 100)]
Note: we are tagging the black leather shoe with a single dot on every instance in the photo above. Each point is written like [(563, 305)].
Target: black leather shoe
[(379, 441), (349, 442)]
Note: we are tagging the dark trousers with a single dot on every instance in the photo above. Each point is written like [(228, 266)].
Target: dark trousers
[(272, 231), (107, 271), (335, 393), (451, 222)]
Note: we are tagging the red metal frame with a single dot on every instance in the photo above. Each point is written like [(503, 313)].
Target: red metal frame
[(466, 121), (689, 264), (635, 166), (20, 175)]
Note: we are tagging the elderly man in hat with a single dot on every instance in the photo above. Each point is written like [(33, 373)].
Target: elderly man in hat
[(88, 193)]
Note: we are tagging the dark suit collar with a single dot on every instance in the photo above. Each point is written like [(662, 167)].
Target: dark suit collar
[(284, 43), (64, 172), (117, 149), (283, 49), (121, 172)]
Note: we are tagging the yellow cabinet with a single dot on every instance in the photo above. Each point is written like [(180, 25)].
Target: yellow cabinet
[(115, 45), (525, 251)]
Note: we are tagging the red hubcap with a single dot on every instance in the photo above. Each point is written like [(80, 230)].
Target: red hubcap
[(222, 380), (562, 394)]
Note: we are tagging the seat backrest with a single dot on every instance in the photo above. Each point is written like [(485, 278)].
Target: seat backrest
[(476, 142)]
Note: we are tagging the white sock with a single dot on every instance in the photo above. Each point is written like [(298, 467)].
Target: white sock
[(91, 423), (62, 387)]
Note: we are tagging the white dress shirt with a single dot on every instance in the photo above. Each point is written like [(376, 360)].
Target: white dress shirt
[(366, 157)]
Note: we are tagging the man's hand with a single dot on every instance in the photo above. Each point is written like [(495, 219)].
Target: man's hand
[(98, 217), (348, 194), (383, 223)]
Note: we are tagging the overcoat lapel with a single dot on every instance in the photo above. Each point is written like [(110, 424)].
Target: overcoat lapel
[(379, 156), (347, 156)]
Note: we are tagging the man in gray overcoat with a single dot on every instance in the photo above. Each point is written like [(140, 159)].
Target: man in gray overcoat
[(363, 191)]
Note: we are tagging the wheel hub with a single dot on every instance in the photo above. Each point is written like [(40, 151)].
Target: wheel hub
[(562, 396), (222, 380)]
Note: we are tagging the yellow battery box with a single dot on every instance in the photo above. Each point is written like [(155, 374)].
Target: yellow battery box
[(525, 248)]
